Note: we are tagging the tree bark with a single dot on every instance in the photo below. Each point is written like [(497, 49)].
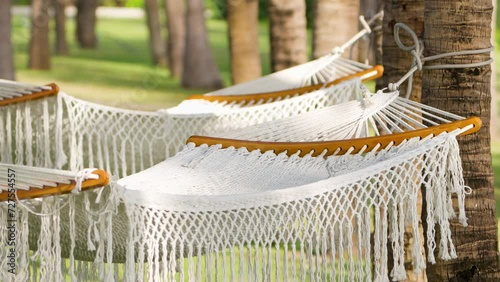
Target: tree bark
[(200, 70), (176, 26), (60, 24), (396, 64), (396, 61), (287, 20), (334, 23), (156, 43), (243, 27), (7, 70), (86, 23), (39, 57), (367, 46), (453, 26)]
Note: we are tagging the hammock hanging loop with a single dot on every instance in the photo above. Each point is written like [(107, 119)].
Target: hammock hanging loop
[(419, 60)]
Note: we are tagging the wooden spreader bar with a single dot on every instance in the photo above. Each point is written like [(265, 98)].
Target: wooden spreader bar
[(61, 188), (31, 96), (368, 74), (342, 146)]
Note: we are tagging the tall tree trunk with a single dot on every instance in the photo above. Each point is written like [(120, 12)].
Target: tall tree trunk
[(200, 70), (244, 39), (6, 55), (396, 61), (334, 23), (367, 45), (396, 64), (454, 26), (176, 26), (156, 43), (39, 43), (60, 17), (86, 23), (287, 33)]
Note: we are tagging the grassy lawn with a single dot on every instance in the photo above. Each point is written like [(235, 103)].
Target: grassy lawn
[(119, 72)]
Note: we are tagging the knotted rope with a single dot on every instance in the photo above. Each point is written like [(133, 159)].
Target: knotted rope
[(366, 30), (419, 60)]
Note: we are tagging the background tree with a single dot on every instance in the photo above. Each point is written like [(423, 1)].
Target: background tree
[(176, 26), (39, 57), (367, 46), (396, 64), (244, 39), (200, 70), (287, 19), (6, 55), (86, 21), (454, 26), (334, 23), (156, 43), (60, 26)]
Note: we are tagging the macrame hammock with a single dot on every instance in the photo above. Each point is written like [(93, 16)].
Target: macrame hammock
[(285, 204), (254, 210), (59, 131)]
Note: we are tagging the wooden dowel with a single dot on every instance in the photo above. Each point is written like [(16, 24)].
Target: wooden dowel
[(342, 146), (368, 74), (102, 181)]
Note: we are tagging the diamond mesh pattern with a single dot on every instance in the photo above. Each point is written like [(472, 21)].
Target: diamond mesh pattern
[(68, 133)]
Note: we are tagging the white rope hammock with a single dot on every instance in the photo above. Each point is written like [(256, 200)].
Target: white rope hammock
[(68, 133), (275, 201), (229, 214)]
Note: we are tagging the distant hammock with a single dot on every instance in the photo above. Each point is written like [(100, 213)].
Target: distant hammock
[(60, 131)]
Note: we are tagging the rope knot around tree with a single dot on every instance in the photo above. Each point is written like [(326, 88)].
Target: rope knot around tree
[(418, 61)]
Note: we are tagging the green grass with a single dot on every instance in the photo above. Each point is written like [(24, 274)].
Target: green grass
[(119, 73)]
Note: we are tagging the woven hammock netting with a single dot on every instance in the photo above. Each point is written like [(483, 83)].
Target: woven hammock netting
[(227, 214), (64, 132)]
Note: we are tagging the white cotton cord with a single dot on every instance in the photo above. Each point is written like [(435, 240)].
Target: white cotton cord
[(366, 30), (19, 136), (80, 177), (418, 62), (32, 211), (46, 134), (61, 158), (72, 234), (457, 184), (28, 135)]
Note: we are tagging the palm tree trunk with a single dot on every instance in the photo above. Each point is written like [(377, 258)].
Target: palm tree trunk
[(334, 23), (200, 70), (6, 55), (39, 57), (244, 39), (396, 61), (176, 26), (367, 48), (396, 64), (86, 23), (60, 23), (453, 26), (287, 33), (156, 43)]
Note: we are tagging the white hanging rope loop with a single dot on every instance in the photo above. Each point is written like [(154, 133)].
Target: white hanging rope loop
[(80, 177), (366, 30), (419, 60)]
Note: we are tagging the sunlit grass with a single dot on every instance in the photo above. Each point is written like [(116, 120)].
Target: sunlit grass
[(119, 72)]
